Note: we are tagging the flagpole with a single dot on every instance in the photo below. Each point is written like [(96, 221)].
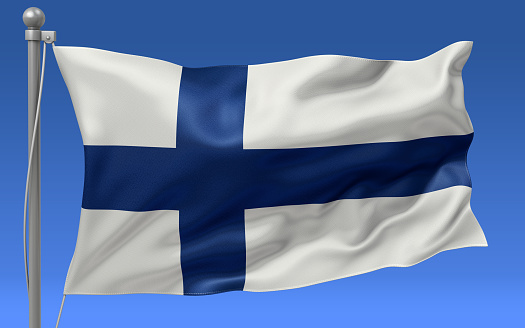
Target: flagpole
[(33, 18)]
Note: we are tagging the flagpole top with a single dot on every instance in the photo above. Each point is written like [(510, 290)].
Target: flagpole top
[(34, 18)]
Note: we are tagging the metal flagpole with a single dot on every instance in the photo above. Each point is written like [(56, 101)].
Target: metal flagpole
[(34, 19)]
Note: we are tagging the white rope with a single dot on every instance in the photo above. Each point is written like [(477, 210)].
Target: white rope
[(31, 151), (60, 313)]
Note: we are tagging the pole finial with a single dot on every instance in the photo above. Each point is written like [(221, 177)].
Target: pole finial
[(34, 18)]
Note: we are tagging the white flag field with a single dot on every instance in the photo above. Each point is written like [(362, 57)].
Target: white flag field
[(265, 177)]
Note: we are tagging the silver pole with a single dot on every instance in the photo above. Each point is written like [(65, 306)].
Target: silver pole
[(34, 19)]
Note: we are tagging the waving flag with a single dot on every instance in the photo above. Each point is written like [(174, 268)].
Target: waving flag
[(265, 177)]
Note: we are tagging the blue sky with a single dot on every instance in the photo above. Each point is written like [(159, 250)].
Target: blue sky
[(481, 287)]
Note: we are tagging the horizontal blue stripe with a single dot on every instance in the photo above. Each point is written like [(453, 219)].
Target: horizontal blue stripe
[(145, 179)]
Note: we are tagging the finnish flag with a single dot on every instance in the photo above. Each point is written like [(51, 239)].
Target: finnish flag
[(265, 177)]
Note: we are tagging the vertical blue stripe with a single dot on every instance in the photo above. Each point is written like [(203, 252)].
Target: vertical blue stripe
[(210, 119)]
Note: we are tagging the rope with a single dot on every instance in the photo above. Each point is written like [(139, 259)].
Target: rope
[(31, 151), (60, 313)]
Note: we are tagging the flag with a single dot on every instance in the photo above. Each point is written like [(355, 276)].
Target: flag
[(265, 177)]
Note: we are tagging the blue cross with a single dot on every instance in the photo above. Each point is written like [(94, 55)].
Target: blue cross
[(210, 179)]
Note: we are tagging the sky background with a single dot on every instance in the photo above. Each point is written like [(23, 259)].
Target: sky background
[(471, 287)]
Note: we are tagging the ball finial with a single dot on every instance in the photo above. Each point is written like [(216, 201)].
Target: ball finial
[(34, 18)]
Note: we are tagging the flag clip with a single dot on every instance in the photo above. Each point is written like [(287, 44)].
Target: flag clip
[(37, 35)]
